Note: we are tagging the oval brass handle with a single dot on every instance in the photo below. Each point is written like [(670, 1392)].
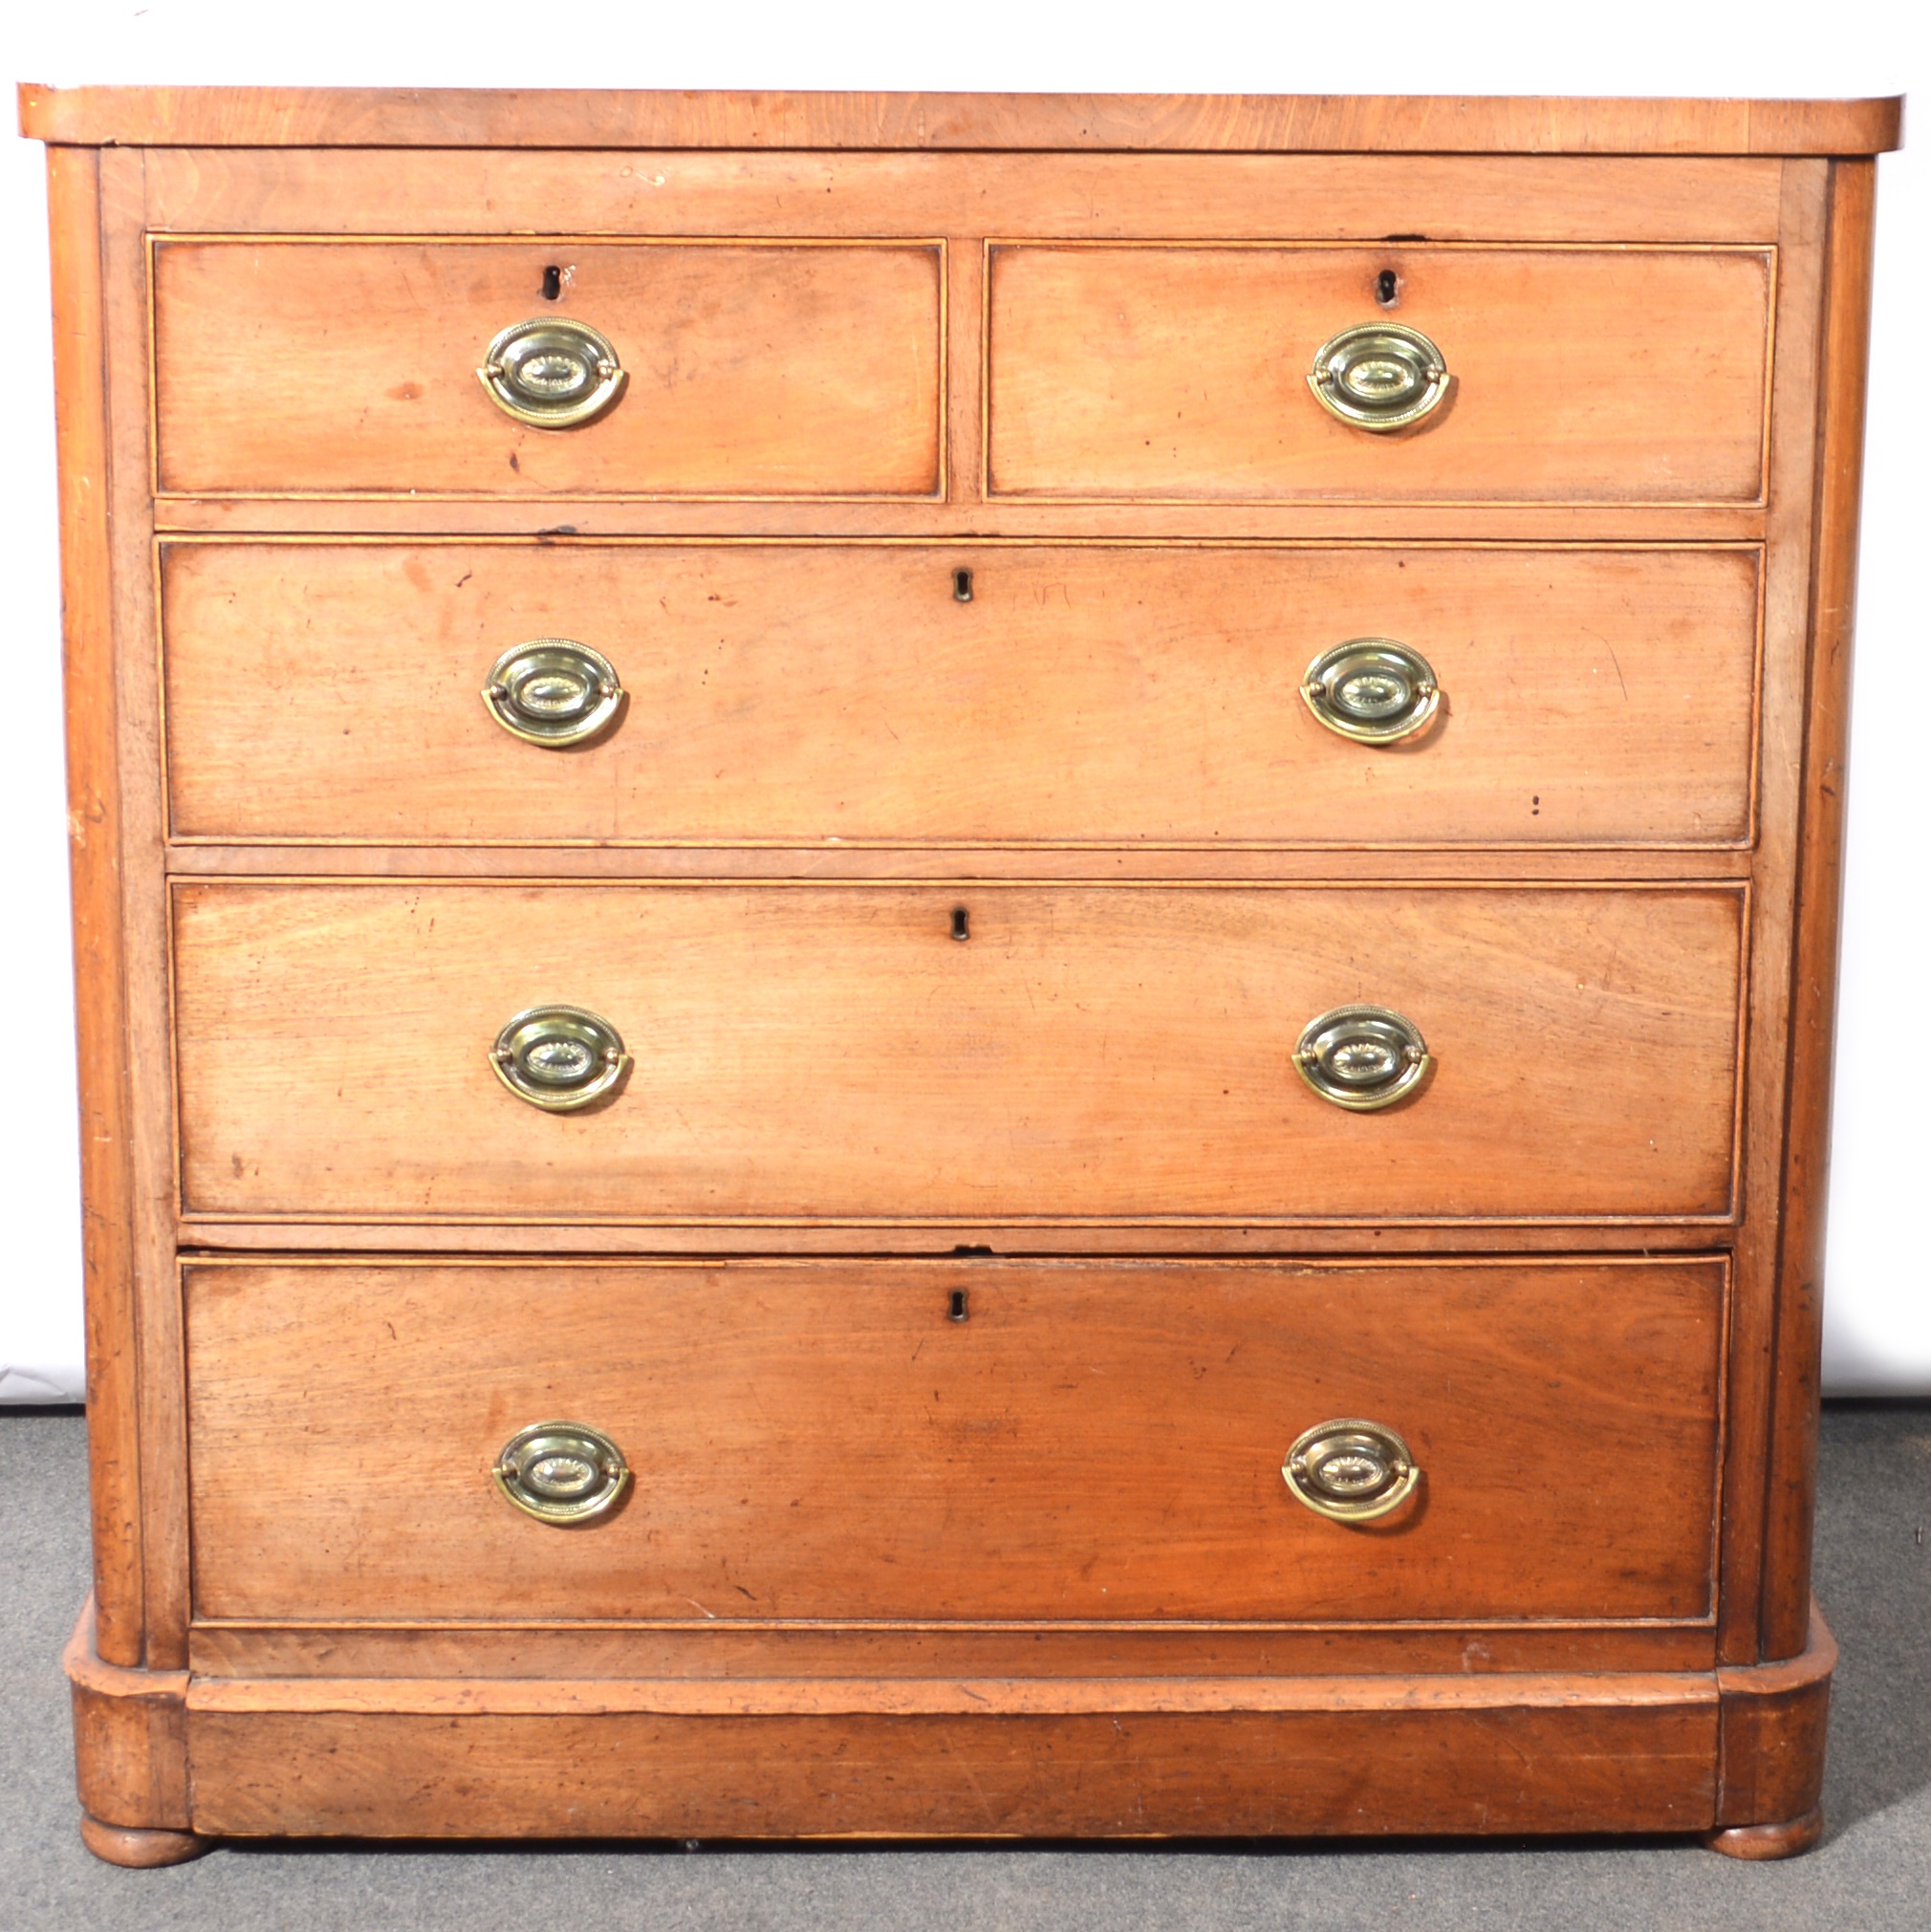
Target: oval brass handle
[(561, 1472), (559, 1057), (1351, 1470), (1372, 689), (1363, 1057), (1378, 376), (551, 373), (553, 691)]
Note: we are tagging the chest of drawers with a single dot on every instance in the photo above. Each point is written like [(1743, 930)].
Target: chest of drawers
[(953, 966)]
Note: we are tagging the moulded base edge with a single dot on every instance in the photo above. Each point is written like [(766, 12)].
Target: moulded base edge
[(167, 1761)]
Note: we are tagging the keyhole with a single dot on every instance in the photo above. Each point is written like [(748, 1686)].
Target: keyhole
[(956, 1309), (961, 923), (961, 586), (1387, 288), (553, 283)]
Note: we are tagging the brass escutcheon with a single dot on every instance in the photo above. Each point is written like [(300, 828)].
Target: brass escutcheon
[(1372, 689), (561, 1472), (1378, 376), (1350, 1469), (1362, 1058), (551, 373)]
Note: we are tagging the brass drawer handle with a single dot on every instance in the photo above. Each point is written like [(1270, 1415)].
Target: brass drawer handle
[(1378, 376), (561, 1472), (560, 1059), (553, 691), (1363, 1057), (1351, 1470), (1372, 689), (551, 373)]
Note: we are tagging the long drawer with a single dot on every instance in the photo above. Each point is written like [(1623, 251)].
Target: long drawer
[(896, 1053), (1586, 374), (748, 368), (955, 1440), (1054, 693)]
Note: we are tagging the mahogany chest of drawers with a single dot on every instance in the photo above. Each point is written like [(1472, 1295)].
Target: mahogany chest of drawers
[(954, 966)]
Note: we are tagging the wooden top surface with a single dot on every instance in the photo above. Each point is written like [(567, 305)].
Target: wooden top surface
[(1247, 123)]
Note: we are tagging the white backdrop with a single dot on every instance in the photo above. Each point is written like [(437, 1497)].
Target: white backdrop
[(1878, 1310)]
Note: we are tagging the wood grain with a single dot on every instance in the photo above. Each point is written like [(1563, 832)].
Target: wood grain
[(444, 118), (146, 1050), (130, 1736), (1164, 197), (697, 1648), (828, 692), (953, 1697), (1145, 863), (805, 1051), (1791, 1465), (1771, 1744), (758, 369), (1596, 1766), (94, 860), (1150, 1235), (824, 1439), (557, 519), (1789, 529), (1168, 869), (1577, 376)]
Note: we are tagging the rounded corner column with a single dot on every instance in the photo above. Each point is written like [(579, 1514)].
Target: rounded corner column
[(1771, 1745), (130, 1754)]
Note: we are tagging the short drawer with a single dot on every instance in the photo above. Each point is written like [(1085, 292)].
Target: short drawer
[(1157, 371), (1051, 693), (955, 1440), (893, 1054), (748, 368)]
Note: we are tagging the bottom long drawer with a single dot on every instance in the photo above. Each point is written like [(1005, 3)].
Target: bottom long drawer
[(956, 1440)]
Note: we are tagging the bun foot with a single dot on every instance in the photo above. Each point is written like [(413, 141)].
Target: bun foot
[(1770, 1841), (131, 1845)]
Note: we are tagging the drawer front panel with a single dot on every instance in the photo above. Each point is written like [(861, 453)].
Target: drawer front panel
[(753, 369), (1158, 372), (805, 1051), (824, 1439), (1084, 693)]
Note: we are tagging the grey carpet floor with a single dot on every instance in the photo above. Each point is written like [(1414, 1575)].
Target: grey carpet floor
[(1873, 1870)]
